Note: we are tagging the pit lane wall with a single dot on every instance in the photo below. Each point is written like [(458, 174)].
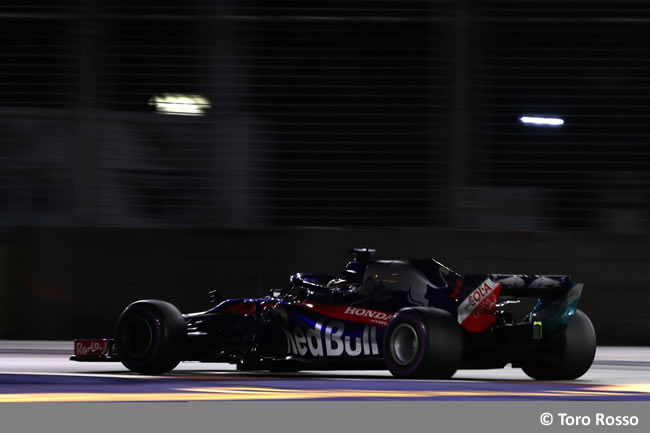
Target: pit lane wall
[(64, 283)]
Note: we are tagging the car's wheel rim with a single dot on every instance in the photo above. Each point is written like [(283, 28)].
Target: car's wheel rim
[(138, 336), (404, 343)]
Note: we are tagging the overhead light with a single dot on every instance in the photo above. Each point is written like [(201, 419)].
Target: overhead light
[(180, 104), (541, 121)]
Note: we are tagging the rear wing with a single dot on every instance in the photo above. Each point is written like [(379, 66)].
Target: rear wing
[(524, 286)]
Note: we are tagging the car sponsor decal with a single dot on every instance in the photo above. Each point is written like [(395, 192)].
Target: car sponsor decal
[(350, 313), (476, 312), (544, 281), (530, 281), (90, 348), (327, 338)]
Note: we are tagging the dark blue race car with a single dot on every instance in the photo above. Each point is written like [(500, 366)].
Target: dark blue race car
[(417, 318)]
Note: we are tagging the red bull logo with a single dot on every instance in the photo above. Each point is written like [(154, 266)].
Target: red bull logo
[(327, 339)]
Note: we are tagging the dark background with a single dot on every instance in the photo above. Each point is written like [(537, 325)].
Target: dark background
[(333, 124)]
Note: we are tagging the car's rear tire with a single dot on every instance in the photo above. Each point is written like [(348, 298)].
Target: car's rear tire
[(423, 343), (575, 351), (149, 336)]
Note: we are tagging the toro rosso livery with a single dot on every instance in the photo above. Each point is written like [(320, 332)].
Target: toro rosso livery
[(417, 318)]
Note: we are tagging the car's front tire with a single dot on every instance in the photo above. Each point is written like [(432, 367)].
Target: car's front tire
[(575, 349), (149, 336), (423, 343)]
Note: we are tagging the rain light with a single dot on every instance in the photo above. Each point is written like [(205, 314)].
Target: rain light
[(541, 121), (180, 104)]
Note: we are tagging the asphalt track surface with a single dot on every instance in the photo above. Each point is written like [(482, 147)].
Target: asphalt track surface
[(41, 372)]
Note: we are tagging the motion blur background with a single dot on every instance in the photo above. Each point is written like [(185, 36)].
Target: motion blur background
[(310, 127)]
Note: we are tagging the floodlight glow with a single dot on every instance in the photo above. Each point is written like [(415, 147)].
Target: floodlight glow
[(542, 121), (180, 104)]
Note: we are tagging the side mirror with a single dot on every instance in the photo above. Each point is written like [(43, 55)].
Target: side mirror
[(215, 297)]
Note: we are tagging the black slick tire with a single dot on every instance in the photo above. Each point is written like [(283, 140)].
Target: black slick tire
[(423, 343), (575, 349), (149, 336)]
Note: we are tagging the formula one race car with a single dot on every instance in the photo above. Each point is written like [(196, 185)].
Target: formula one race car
[(417, 318)]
